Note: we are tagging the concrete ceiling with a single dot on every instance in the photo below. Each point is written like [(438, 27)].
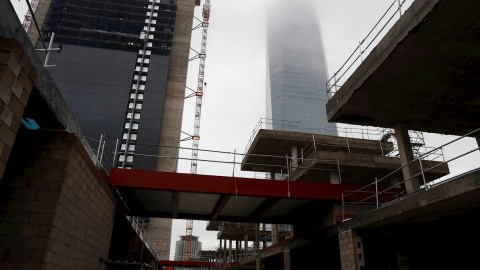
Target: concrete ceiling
[(424, 73)]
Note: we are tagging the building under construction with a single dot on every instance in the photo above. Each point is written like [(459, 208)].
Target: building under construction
[(354, 203)]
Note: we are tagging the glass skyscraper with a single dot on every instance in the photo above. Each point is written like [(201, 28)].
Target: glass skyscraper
[(296, 69)]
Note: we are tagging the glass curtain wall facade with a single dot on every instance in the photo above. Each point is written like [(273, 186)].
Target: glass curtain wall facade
[(112, 71), (296, 69)]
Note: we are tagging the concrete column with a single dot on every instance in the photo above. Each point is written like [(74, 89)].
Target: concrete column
[(245, 239), (272, 175), (258, 265), (286, 260), (264, 241), (294, 152), (406, 155), (351, 250), (236, 250), (225, 250), (274, 234), (255, 242), (220, 251), (230, 251)]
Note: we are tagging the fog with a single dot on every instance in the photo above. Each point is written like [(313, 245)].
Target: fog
[(234, 99)]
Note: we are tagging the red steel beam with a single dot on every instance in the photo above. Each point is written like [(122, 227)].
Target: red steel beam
[(186, 263), (233, 186)]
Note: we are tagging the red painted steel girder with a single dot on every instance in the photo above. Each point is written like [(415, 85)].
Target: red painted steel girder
[(209, 184), (187, 263)]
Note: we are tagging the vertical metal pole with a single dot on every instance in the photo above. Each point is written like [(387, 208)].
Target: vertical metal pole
[(301, 150), (335, 79), (115, 154), (101, 154), (48, 50), (339, 174), (423, 174), (343, 208), (176, 160), (234, 153), (99, 146), (314, 144), (360, 50), (381, 147), (399, 8), (288, 170), (348, 145), (376, 190)]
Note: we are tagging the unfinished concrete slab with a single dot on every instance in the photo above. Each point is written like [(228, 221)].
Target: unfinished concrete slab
[(424, 73)]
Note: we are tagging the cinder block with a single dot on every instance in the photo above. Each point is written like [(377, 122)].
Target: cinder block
[(25, 80), (16, 106), (5, 92), (6, 75), (27, 229), (17, 217), (11, 45), (7, 135), (6, 115), (26, 63), (24, 98), (16, 88)]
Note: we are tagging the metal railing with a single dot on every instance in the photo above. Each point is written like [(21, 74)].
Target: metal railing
[(364, 46), (138, 225), (377, 198)]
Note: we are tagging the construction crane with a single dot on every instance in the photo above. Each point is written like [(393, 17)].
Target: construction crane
[(27, 20), (187, 255)]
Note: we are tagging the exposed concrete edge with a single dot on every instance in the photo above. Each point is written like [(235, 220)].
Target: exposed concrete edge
[(412, 18), (44, 82), (469, 182)]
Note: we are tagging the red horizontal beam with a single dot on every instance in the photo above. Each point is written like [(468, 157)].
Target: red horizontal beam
[(178, 182), (186, 263)]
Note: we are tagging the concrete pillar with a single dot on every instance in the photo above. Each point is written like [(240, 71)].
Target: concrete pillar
[(225, 250), (274, 234), (264, 240), (245, 239), (294, 152), (230, 251), (256, 241), (220, 251), (258, 265), (237, 248), (406, 155), (351, 250), (272, 175), (286, 260)]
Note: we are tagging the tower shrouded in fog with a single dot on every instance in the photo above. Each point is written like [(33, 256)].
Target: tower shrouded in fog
[(296, 69)]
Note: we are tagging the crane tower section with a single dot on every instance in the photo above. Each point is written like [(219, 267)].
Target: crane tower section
[(196, 128)]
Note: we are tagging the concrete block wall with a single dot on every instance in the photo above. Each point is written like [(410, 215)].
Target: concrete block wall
[(16, 82), (57, 208), (351, 250)]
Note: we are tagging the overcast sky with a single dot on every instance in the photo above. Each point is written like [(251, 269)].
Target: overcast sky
[(235, 75)]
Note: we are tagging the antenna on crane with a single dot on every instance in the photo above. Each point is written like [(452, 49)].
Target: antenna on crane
[(187, 255)]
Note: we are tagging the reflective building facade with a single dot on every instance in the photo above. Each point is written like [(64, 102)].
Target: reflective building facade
[(122, 71), (296, 69), (109, 51)]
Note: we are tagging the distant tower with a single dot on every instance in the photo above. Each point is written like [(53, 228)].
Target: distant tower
[(180, 246), (296, 69)]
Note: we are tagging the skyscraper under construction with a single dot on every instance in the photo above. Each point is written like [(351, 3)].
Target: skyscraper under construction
[(122, 70), (296, 69)]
